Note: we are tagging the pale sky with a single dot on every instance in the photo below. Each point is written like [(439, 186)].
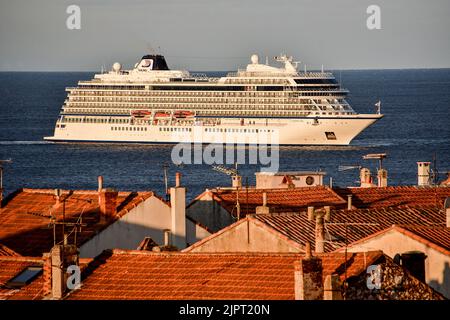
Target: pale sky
[(222, 34)]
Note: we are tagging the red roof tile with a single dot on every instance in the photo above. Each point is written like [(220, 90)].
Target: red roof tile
[(360, 223), (395, 196), (12, 266), (279, 200), (25, 217), (146, 275), (439, 236), (7, 252), (9, 268)]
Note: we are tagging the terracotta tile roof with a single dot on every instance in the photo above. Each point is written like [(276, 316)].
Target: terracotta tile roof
[(7, 252), (152, 276), (25, 217), (280, 200), (9, 268), (439, 236), (436, 237), (361, 223), (395, 196)]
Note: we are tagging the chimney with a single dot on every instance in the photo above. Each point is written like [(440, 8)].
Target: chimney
[(107, 201), (177, 179), (365, 178), (320, 234), (382, 178), (1, 197), (349, 202), (423, 173), (332, 288), (58, 196), (55, 269), (308, 253), (100, 183), (167, 238), (308, 281), (178, 213), (236, 181), (327, 216), (310, 213), (264, 209)]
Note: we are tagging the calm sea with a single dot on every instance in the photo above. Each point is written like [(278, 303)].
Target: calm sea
[(415, 127)]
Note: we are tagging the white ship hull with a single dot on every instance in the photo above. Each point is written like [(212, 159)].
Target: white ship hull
[(300, 131)]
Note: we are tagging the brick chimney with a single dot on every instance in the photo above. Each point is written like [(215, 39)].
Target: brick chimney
[(107, 202), (308, 281), (178, 213), (55, 269)]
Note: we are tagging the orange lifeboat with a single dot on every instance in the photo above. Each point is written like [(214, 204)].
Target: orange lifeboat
[(183, 114), (162, 115)]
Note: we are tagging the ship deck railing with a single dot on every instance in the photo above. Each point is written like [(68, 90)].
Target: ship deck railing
[(307, 74)]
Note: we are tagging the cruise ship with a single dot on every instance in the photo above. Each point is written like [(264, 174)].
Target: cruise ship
[(261, 104)]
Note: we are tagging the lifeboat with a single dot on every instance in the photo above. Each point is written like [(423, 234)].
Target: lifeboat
[(140, 113), (183, 114), (162, 115)]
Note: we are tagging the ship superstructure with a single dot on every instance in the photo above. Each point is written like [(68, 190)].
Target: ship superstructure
[(153, 104)]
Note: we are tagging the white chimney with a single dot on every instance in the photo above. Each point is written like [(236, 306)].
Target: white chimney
[(236, 181), (365, 178), (100, 183), (264, 209), (349, 202), (178, 213), (423, 173), (311, 213), (167, 238)]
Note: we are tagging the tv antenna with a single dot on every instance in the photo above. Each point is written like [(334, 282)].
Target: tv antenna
[(76, 226), (376, 156), (225, 170), (1, 176), (346, 168), (234, 173)]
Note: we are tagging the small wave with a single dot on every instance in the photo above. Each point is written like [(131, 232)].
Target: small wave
[(23, 142)]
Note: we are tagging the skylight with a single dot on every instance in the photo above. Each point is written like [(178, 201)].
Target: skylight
[(24, 277)]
